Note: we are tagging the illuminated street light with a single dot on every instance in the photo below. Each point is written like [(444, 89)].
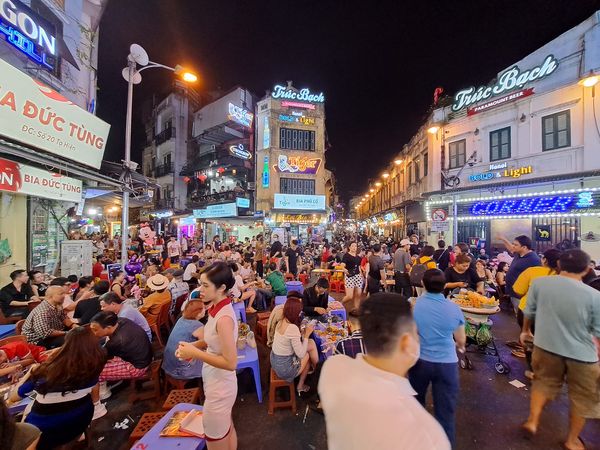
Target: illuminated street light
[(385, 175), (378, 184), (432, 130), (397, 162), (589, 81), (185, 75), (372, 190)]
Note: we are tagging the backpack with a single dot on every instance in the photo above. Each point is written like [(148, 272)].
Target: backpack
[(417, 271)]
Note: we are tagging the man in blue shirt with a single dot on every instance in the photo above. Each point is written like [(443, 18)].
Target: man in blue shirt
[(567, 317), (524, 258), (441, 327)]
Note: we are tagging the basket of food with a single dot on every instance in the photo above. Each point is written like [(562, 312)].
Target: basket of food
[(476, 306)]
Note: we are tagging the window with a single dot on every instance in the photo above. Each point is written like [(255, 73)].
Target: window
[(425, 164), (409, 169), (298, 186), (417, 164), (556, 130), (292, 139), (168, 124), (167, 159), (500, 144), (457, 153)]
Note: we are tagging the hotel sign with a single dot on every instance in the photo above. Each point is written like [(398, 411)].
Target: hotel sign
[(297, 117), (510, 80), (300, 165), (501, 171), (35, 114)]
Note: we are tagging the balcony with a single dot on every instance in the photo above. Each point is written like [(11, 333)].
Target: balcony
[(165, 135), (165, 169)]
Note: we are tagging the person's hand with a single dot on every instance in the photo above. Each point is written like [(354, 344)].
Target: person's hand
[(526, 338), (460, 348), (320, 310), (185, 350), (309, 329)]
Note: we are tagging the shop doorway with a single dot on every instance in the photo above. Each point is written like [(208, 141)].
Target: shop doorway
[(469, 229)]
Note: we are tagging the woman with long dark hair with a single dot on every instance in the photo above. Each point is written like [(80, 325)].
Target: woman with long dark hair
[(64, 384), (353, 281), (292, 351), (216, 348)]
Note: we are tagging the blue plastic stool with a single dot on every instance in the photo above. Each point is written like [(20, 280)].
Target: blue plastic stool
[(240, 310), (248, 359)]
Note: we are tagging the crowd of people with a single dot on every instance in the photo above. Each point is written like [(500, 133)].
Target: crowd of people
[(84, 335)]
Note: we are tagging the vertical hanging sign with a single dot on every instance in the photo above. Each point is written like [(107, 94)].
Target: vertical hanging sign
[(265, 173)]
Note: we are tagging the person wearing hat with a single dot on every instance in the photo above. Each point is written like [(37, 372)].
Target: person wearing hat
[(402, 263), (177, 288), (160, 295)]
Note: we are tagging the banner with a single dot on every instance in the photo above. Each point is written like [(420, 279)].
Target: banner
[(299, 202), (297, 164), (35, 114), (21, 179), (214, 211)]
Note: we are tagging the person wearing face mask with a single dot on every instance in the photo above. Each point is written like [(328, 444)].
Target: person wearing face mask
[(216, 348), (376, 387), (441, 326)]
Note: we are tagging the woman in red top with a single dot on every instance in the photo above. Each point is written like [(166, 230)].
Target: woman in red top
[(325, 256)]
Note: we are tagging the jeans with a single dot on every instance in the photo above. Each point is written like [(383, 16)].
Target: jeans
[(402, 284), (443, 378), (515, 303)]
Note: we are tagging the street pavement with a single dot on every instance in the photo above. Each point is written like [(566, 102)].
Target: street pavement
[(489, 412)]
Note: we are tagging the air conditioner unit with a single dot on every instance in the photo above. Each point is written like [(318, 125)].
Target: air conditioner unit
[(251, 186)]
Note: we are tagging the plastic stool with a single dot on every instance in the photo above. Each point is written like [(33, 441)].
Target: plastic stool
[(275, 383), (177, 396), (147, 421)]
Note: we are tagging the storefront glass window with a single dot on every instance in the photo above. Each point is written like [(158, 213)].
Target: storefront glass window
[(297, 186), (556, 129), (500, 144), (458, 153), (292, 139)]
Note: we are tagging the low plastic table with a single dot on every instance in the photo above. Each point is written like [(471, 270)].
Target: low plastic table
[(280, 299), (152, 439), (240, 310), (7, 330), (248, 359)]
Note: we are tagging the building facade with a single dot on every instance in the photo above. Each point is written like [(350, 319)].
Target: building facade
[(294, 189), (52, 44)]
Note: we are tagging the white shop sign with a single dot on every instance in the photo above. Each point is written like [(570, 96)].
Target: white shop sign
[(299, 202)]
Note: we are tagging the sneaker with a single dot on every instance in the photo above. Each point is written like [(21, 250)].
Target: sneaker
[(99, 410), (105, 391)]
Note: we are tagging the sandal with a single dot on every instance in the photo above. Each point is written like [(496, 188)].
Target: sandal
[(562, 444), (303, 391), (518, 353), (527, 433), (514, 344)]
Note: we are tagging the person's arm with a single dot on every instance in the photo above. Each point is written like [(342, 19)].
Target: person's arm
[(299, 345), (529, 315), (460, 337), (480, 287), (508, 244), (23, 387), (227, 360), (382, 273), (306, 303), (521, 285)]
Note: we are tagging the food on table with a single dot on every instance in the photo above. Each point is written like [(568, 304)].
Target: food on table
[(243, 330), (471, 299)]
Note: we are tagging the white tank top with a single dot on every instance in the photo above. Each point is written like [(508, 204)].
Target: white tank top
[(210, 331)]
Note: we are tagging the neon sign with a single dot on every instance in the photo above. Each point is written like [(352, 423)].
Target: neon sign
[(297, 164), (265, 173), (239, 151), (240, 115), (28, 32), (297, 118), (513, 78), (288, 93), (507, 173), (533, 205)]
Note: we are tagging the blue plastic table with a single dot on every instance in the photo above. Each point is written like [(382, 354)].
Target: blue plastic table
[(280, 299), (152, 439), (248, 359), (19, 407), (240, 310), (294, 286), (7, 330)]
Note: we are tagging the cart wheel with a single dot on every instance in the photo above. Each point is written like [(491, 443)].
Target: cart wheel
[(501, 368), (463, 364), (506, 368)]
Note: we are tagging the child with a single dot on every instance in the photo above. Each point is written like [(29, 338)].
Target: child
[(276, 280)]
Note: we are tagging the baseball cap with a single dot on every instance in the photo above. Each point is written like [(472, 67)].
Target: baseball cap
[(404, 242)]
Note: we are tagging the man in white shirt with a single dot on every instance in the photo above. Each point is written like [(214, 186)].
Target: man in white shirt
[(376, 392), (174, 250), (190, 275)]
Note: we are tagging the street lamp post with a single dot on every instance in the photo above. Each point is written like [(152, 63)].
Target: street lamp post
[(137, 55)]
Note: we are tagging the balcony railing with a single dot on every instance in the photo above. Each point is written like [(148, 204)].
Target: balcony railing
[(165, 169), (199, 199), (165, 135)]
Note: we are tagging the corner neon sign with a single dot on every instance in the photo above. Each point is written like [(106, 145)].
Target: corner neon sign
[(303, 95), (513, 78), (22, 28), (533, 205)]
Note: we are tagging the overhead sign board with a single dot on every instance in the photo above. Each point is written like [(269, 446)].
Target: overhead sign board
[(242, 202), (500, 101), (21, 179), (302, 95), (301, 165), (240, 151), (240, 115), (501, 170), (215, 211), (510, 80), (297, 117), (299, 202), (35, 114), (534, 205)]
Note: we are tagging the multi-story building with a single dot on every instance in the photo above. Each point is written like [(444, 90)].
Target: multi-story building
[(220, 172), (519, 155), (169, 144), (294, 189), (53, 44)]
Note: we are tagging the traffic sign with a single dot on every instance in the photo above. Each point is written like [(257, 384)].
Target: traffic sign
[(439, 215)]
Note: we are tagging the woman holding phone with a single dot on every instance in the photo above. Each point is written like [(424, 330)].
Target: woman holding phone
[(216, 348)]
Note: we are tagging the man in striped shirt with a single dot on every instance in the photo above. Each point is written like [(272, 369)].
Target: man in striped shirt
[(353, 344)]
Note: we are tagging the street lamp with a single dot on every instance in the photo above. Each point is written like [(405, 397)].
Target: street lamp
[(137, 55)]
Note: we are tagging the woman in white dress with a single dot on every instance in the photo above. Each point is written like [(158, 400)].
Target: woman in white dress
[(216, 348)]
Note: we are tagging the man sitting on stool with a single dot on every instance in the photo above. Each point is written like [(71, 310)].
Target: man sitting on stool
[(315, 299)]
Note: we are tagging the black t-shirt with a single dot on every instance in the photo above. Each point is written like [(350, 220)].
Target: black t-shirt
[(470, 277), (352, 264), (86, 309), (130, 343), (42, 288), (376, 265), (293, 259), (276, 247), (442, 257), (310, 301), (10, 293)]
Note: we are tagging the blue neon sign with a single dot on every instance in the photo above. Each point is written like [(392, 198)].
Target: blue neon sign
[(533, 205)]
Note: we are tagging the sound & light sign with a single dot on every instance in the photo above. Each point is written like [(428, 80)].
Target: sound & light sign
[(501, 171)]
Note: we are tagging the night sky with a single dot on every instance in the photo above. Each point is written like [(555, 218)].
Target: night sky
[(376, 62)]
